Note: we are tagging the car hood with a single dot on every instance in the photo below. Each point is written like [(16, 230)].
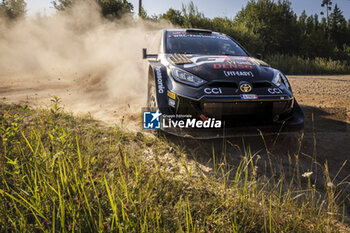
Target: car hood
[(228, 68)]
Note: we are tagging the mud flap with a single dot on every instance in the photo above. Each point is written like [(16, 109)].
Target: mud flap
[(160, 79), (297, 119)]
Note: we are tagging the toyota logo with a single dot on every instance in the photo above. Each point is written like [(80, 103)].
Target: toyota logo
[(245, 87)]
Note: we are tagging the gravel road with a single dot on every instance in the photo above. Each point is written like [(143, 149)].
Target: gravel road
[(325, 101)]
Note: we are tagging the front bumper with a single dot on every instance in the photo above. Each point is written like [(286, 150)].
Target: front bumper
[(236, 111), (240, 117)]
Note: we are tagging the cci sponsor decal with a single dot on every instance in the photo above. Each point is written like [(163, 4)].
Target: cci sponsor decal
[(214, 91), (236, 73), (274, 91), (249, 97), (160, 81)]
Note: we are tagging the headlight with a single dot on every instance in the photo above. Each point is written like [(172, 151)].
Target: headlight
[(185, 77), (286, 83), (281, 79), (277, 79)]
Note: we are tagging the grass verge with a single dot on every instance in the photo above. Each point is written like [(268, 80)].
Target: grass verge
[(294, 65), (61, 173)]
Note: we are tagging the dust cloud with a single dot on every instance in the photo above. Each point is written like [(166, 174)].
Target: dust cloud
[(93, 64)]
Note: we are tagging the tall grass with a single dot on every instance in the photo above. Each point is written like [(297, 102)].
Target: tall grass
[(60, 173), (306, 66)]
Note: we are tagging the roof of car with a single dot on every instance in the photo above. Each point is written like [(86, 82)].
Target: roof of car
[(192, 30)]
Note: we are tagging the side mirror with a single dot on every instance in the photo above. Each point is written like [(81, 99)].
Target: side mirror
[(145, 55), (259, 56)]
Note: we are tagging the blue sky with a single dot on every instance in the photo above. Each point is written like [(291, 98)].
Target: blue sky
[(210, 8)]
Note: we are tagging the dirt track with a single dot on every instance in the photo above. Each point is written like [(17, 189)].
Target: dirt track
[(326, 140), (331, 92), (88, 95), (326, 104), (324, 99)]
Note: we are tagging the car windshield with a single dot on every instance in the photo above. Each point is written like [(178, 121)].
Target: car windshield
[(202, 43)]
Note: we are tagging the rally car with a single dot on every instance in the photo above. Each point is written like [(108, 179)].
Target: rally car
[(205, 75)]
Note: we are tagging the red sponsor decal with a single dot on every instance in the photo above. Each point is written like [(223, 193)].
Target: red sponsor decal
[(232, 66)]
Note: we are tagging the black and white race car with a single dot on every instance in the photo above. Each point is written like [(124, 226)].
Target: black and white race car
[(208, 75)]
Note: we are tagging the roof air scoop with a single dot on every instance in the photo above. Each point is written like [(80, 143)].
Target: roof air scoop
[(203, 31), (180, 59)]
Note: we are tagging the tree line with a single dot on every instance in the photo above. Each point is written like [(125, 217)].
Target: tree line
[(262, 26), (14, 9), (269, 27)]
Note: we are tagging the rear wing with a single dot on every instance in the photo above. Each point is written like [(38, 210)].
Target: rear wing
[(145, 55)]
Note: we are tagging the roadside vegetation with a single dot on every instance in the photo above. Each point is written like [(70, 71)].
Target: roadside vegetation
[(64, 173), (304, 44), (303, 66), (296, 44)]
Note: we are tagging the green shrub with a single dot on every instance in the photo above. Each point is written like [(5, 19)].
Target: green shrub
[(306, 66)]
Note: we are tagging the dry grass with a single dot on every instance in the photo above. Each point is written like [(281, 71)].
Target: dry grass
[(63, 173)]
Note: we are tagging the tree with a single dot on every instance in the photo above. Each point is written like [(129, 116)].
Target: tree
[(174, 16), (327, 4), (115, 8), (315, 42), (109, 8), (13, 8), (142, 13), (338, 27), (61, 5), (302, 21), (274, 23), (193, 18)]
